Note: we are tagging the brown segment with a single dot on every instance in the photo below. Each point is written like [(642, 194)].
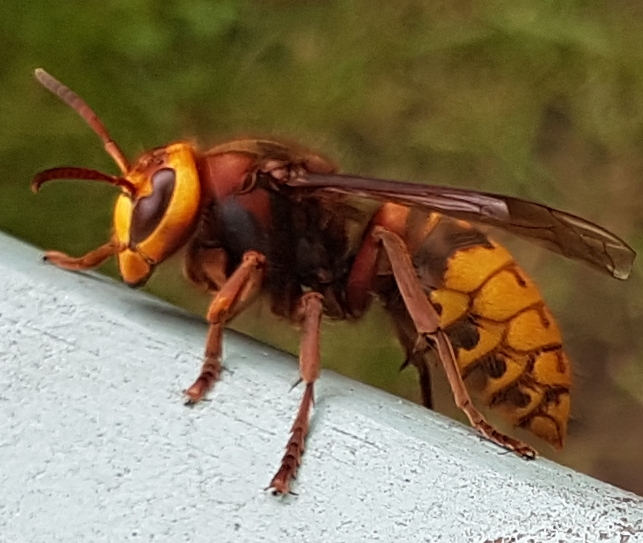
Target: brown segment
[(242, 286), (88, 261), (79, 106), (67, 172), (309, 312), (415, 355)]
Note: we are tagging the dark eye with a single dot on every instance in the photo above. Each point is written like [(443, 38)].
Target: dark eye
[(149, 210)]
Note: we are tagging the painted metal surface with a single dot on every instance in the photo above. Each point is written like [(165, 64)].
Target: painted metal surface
[(96, 445)]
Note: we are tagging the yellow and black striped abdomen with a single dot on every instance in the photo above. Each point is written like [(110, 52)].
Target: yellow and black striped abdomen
[(507, 343)]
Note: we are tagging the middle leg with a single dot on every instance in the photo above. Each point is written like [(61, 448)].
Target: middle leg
[(309, 312)]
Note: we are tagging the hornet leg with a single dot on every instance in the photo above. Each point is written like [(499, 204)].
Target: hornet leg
[(309, 313), (241, 288), (427, 323)]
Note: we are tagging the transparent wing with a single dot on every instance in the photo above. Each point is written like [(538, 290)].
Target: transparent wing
[(556, 230)]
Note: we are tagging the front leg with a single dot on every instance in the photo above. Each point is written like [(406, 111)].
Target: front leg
[(239, 289), (88, 261)]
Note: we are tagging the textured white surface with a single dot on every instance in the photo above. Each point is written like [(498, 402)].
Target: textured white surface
[(96, 445)]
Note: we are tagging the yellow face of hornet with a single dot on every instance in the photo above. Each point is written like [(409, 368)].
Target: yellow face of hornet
[(154, 221)]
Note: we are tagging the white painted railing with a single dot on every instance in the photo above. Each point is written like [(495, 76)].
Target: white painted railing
[(96, 445)]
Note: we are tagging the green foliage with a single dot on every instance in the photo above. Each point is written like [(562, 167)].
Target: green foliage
[(538, 99)]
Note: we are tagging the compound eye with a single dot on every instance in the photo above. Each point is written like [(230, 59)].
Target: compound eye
[(149, 210)]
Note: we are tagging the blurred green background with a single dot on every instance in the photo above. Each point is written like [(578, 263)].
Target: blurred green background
[(542, 100)]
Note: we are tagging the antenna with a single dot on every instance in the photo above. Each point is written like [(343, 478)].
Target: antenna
[(80, 106)]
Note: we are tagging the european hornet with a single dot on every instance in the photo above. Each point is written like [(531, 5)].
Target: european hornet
[(259, 216)]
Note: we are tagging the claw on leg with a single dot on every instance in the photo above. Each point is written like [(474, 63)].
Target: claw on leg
[(211, 369), (291, 460)]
